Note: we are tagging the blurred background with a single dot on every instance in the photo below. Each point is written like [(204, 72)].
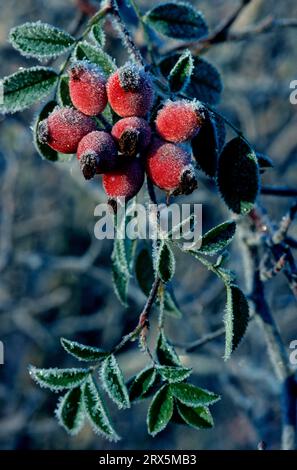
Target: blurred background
[(55, 278)]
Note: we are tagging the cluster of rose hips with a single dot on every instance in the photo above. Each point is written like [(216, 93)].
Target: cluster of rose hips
[(132, 147)]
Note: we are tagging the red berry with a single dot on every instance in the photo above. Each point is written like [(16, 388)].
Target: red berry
[(126, 181), (130, 91), (97, 153), (169, 167), (179, 121), (64, 128), (133, 135), (87, 88)]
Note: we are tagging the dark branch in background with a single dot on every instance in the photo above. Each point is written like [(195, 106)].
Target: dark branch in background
[(223, 34), (278, 191), (277, 351)]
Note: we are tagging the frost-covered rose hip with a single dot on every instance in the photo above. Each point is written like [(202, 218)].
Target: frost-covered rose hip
[(169, 167), (130, 91), (64, 128), (133, 134), (97, 153), (126, 181), (87, 87), (179, 121)]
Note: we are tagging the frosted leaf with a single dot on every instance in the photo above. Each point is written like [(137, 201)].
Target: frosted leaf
[(165, 262), (25, 87), (96, 55), (177, 20), (174, 374), (160, 411), (142, 384), (192, 396), (98, 34), (83, 352), (217, 238), (198, 418), (180, 75), (236, 318), (113, 382), (120, 264), (70, 411), (238, 176), (96, 411), (40, 40), (166, 353), (58, 379)]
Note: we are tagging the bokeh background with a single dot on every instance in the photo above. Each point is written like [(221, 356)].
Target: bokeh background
[(55, 278)]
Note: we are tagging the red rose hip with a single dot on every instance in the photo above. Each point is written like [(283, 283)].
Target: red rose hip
[(179, 121), (64, 128), (130, 91), (124, 182), (133, 134), (97, 153), (169, 167), (87, 87)]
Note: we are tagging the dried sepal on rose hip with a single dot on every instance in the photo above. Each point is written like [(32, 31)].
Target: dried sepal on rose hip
[(130, 91), (125, 182), (87, 88), (132, 134), (97, 153), (64, 128), (179, 121), (169, 167)]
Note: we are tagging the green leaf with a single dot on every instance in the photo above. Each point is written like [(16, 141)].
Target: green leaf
[(142, 383), (113, 382), (208, 143), (95, 54), (144, 271), (63, 94), (180, 75), (177, 20), (40, 40), (25, 87), (165, 352), (238, 176), (44, 150), (205, 84), (165, 262), (218, 238), (174, 374), (160, 411), (198, 418), (97, 33), (70, 411), (120, 270), (193, 396), (96, 411), (82, 352), (236, 318), (58, 379)]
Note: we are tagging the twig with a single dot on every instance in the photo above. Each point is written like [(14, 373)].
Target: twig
[(190, 347), (278, 191)]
